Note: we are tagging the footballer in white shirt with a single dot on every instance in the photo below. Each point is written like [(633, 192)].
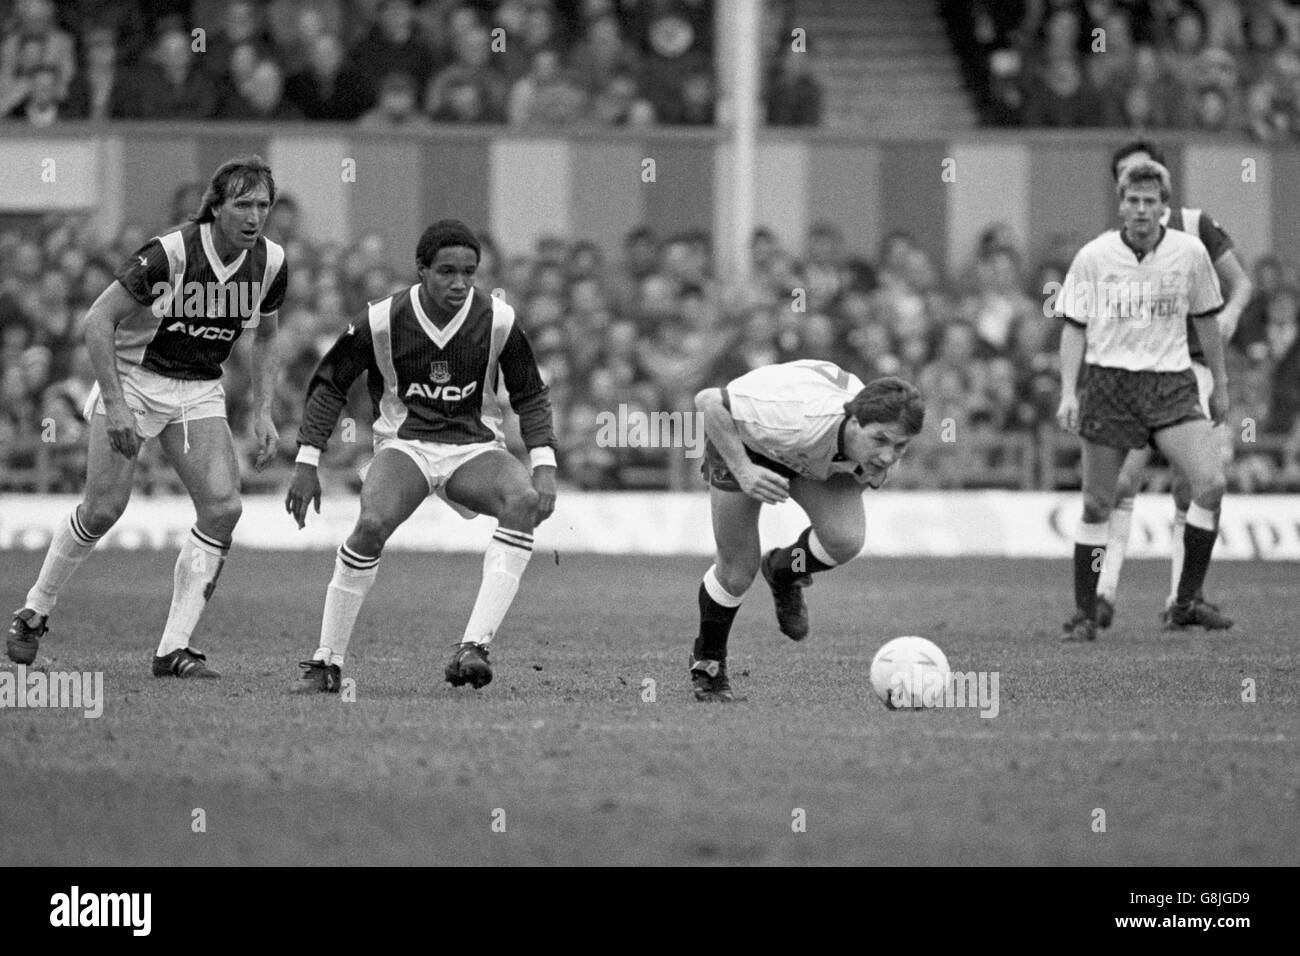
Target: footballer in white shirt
[(1126, 302), (1237, 290), (807, 430)]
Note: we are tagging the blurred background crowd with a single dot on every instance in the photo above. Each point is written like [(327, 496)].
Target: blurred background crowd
[(386, 64), (1215, 65), (645, 327)]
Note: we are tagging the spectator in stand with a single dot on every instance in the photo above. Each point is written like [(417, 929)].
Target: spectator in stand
[(471, 65), (397, 108), (124, 19), (240, 26), (464, 101), (602, 54), (98, 92), (1264, 37), (697, 100), (34, 28), (794, 97), (547, 94), (328, 89), (1212, 111), (261, 97), (1182, 61), (170, 86), (1064, 98), (674, 37), (1252, 328), (619, 103), (394, 46), (40, 108), (1284, 356)]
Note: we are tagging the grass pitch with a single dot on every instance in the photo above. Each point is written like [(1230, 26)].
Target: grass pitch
[(563, 760)]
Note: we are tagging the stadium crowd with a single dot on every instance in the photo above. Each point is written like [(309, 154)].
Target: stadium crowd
[(385, 64), (644, 330), (1214, 65)]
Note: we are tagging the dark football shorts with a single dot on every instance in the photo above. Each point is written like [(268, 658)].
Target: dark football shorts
[(718, 475), (1119, 408)]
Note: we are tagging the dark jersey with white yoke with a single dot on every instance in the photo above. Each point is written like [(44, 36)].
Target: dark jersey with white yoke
[(1216, 241), (196, 305), (431, 384)]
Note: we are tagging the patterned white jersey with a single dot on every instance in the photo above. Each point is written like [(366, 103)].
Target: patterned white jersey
[(1135, 307), (794, 414)]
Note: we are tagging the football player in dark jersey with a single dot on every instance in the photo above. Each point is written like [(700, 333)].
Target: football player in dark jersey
[(157, 337), (433, 356), (1237, 289)]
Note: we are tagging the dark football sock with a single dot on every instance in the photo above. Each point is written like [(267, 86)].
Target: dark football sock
[(1087, 569), (1198, 545), (715, 627), (797, 560)]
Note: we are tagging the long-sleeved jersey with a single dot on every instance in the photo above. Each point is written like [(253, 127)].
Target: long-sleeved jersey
[(431, 384), (197, 305)]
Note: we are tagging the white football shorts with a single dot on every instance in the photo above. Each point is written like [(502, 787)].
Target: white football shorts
[(159, 401), (437, 462)]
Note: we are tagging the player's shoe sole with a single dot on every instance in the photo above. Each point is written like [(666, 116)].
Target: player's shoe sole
[(184, 662), (791, 608), (24, 640), (318, 678), (709, 680), (469, 665)]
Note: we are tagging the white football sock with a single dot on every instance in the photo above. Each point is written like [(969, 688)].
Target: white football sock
[(70, 545), (197, 568), (353, 576), (1176, 556), (1117, 535), (504, 561)]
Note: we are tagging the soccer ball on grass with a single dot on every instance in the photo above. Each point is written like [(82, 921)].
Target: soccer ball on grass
[(910, 673)]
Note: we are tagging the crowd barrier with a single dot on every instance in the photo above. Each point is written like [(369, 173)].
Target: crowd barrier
[(899, 524)]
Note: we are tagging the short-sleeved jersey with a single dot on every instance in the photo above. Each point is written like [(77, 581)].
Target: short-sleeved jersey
[(1135, 306), (1216, 241), (794, 414), (196, 306), (431, 384)]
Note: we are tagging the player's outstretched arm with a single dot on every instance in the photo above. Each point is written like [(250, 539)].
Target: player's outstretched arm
[(719, 427), (106, 313), (266, 369)]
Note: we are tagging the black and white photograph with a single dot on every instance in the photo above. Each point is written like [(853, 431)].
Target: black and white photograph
[(650, 433)]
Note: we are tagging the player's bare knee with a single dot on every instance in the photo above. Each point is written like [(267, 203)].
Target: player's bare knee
[(1096, 509), (519, 505), (220, 515), (1126, 488), (736, 576), (842, 544), (370, 535), (101, 513), (1208, 490)]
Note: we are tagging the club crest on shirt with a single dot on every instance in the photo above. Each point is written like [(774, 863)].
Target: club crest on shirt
[(439, 372)]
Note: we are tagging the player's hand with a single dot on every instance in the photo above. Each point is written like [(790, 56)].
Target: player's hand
[(544, 485), (1219, 406), (122, 437), (765, 485), (1067, 413), (303, 488), (268, 440)]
